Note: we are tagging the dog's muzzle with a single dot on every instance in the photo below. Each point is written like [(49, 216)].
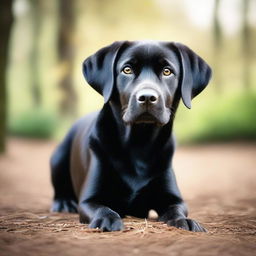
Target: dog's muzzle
[(146, 105)]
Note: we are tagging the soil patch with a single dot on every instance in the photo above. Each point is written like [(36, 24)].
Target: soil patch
[(217, 181)]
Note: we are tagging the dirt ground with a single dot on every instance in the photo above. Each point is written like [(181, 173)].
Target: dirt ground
[(217, 181)]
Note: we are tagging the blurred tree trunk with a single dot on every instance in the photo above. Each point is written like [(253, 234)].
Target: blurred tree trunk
[(6, 19), (37, 24), (246, 45), (217, 41), (68, 101)]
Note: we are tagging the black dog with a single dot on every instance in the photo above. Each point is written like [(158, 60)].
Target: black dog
[(118, 161)]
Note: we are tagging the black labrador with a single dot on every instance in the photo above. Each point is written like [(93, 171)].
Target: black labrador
[(118, 161)]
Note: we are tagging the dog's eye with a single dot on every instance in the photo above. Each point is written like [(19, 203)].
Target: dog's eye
[(167, 72), (127, 70)]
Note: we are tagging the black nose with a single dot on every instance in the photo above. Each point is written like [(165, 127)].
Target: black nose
[(145, 96)]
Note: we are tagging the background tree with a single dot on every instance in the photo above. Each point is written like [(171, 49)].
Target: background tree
[(67, 104), (6, 19), (36, 11), (217, 43), (246, 44)]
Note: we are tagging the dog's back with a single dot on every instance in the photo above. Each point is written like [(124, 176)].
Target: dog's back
[(79, 156), (67, 156)]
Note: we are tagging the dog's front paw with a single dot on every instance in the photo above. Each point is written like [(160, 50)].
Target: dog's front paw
[(64, 205), (107, 223), (187, 224)]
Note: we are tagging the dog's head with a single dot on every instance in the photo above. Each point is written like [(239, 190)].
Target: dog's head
[(145, 76)]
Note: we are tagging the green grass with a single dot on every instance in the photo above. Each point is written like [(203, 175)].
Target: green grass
[(225, 118), (215, 119), (34, 123)]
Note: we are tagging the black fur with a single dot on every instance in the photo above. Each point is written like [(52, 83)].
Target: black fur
[(118, 161)]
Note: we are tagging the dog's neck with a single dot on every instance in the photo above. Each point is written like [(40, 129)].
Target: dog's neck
[(140, 134)]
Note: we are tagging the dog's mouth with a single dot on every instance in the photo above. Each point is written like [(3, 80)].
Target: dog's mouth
[(147, 118), (137, 114)]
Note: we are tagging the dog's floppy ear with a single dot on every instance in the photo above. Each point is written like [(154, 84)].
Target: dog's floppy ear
[(99, 68), (195, 73)]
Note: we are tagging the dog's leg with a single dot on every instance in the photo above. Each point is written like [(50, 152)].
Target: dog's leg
[(100, 216), (171, 208), (64, 196), (176, 215), (91, 208)]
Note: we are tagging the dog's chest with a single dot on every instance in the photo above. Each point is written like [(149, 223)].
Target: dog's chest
[(137, 178)]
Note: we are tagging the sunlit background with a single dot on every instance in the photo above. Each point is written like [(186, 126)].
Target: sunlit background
[(50, 39)]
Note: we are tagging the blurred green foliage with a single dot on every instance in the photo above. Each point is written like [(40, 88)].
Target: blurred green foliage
[(34, 123), (223, 118)]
